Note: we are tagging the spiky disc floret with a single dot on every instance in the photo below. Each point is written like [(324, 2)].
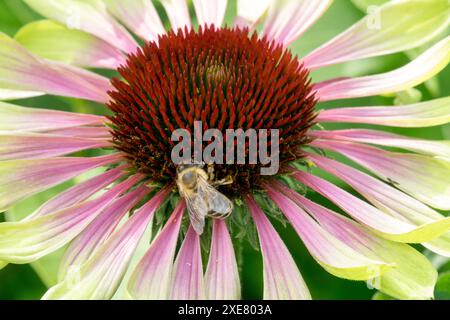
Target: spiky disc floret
[(226, 78)]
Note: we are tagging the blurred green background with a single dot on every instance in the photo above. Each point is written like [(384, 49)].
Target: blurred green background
[(29, 282)]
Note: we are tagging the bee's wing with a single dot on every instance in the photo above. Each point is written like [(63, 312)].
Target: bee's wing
[(219, 206), (197, 209)]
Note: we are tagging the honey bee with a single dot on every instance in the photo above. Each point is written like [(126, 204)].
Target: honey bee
[(203, 200)]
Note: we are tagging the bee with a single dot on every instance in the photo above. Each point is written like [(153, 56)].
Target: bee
[(203, 200)]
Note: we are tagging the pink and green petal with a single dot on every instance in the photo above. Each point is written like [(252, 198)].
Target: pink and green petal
[(99, 231), (79, 193), (23, 146), (21, 70), (20, 179), (389, 200), (140, 16), (188, 270), (423, 177), (178, 14), (388, 226), (385, 197), (53, 41), (249, 12), (429, 147), (210, 12), (152, 278), (412, 275), (87, 16), (282, 279), (333, 254), (425, 114), (395, 27), (30, 239), (100, 276), (416, 72), (222, 276), (287, 20), (382, 195)]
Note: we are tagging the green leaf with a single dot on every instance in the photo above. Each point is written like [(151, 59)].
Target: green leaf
[(13, 14), (442, 290)]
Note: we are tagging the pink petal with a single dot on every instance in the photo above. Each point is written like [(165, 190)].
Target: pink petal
[(178, 13), (100, 276), (282, 279), (86, 16), (412, 276), (16, 118), (20, 179), (249, 12), (425, 178), (416, 72), (356, 208), (334, 254), (140, 16), (79, 193), (425, 114), (28, 240), (222, 277), (430, 147), (210, 12), (379, 193), (188, 270), (85, 244), (361, 40), (20, 70), (23, 146), (288, 20), (152, 278), (387, 199), (101, 133)]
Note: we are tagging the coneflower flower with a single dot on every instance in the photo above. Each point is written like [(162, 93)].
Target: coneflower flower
[(226, 77)]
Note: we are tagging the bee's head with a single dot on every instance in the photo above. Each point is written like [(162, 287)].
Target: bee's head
[(189, 177)]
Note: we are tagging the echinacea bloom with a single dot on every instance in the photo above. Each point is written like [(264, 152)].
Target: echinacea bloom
[(226, 77)]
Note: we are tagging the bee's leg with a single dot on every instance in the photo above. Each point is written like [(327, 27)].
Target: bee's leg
[(227, 181), (211, 175)]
